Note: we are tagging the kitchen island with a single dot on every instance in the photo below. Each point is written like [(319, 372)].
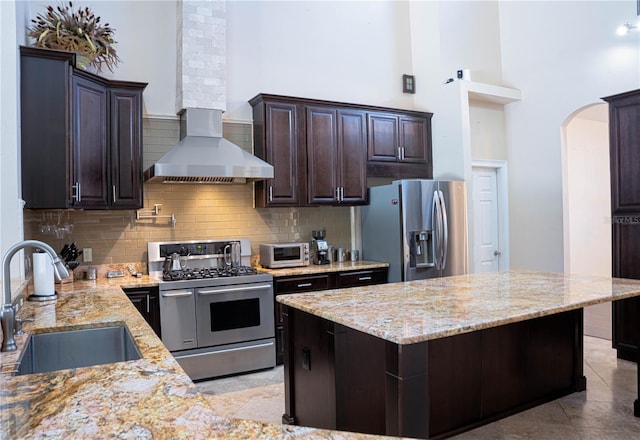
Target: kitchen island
[(150, 397), (433, 358)]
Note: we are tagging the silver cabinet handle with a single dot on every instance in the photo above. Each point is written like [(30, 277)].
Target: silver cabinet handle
[(228, 350), (337, 191), (270, 193), (342, 193), (77, 196), (364, 278), (233, 289), (113, 189), (401, 153), (305, 285), (148, 308)]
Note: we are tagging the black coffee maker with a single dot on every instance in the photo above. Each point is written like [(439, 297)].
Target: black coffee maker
[(319, 247)]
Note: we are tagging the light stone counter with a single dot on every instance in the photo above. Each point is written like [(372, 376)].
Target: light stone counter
[(314, 269), (415, 311), (147, 398)]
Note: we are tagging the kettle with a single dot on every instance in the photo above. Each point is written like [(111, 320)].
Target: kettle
[(232, 254), (175, 261), (171, 262)]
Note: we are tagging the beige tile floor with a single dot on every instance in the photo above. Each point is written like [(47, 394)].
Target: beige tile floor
[(603, 412)]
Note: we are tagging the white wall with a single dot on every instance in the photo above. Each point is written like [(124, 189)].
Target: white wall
[(342, 51), (588, 206), (562, 61), (10, 208), (145, 32), (487, 131), (588, 197), (469, 37)]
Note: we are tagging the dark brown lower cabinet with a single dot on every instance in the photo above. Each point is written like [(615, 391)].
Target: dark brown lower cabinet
[(147, 301), (626, 264), (340, 378), (322, 281), (625, 328)]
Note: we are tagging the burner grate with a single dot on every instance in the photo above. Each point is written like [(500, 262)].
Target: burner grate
[(207, 272)]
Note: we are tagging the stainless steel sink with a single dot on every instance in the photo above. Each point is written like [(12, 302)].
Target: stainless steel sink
[(61, 350)]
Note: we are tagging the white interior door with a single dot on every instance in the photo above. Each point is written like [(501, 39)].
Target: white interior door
[(486, 246)]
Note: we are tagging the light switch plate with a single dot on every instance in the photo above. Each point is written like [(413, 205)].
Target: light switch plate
[(87, 255)]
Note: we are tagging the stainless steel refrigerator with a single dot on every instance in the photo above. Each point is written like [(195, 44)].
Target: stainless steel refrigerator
[(418, 226)]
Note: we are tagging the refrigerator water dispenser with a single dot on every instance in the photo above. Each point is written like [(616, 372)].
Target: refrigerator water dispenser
[(422, 248)]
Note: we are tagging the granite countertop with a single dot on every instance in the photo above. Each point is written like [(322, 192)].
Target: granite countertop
[(147, 398), (415, 311), (314, 269)]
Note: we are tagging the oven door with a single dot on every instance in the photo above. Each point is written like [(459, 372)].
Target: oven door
[(234, 313)]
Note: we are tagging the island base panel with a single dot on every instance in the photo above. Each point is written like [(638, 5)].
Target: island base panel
[(340, 378)]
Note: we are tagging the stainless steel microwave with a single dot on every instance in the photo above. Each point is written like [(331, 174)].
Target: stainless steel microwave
[(280, 255)]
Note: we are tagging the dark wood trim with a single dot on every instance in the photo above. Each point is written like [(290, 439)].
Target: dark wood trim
[(307, 101)]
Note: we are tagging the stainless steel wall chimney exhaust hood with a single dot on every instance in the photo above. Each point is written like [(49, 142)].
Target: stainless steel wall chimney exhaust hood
[(204, 156)]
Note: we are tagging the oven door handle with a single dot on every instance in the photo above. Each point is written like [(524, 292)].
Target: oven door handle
[(175, 293), (234, 289), (225, 350)]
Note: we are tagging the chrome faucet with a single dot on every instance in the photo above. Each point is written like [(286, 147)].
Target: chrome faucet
[(8, 312)]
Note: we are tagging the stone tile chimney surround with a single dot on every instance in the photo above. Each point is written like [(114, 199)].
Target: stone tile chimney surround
[(201, 54)]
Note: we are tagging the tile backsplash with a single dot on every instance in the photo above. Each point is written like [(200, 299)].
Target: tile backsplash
[(201, 212)]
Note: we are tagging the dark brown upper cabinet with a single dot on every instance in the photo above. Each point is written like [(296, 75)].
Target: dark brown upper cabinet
[(399, 145), (322, 152), (336, 152), (277, 134), (624, 142), (81, 135)]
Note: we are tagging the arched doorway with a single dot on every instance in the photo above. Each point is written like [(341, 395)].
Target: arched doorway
[(587, 204)]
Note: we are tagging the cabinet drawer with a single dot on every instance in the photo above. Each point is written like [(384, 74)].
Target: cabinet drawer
[(302, 284), (361, 278)]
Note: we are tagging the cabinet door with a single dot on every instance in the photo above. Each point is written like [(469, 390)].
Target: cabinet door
[(147, 301), (89, 144), (352, 153), (139, 300), (154, 312), (322, 151), (624, 143), (282, 153), (383, 137), (45, 120), (626, 264), (414, 133), (126, 148)]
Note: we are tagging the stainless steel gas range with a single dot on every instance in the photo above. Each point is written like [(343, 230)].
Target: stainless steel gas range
[(216, 311)]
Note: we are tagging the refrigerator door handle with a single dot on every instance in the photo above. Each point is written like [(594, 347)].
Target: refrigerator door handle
[(435, 221), (445, 230)]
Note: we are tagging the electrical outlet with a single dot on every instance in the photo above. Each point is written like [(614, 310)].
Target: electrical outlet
[(87, 255)]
